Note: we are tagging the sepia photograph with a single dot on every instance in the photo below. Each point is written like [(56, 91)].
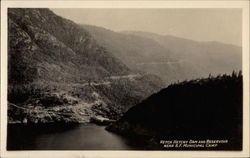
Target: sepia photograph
[(124, 79)]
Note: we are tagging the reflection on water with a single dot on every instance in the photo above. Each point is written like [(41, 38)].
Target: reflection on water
[(65, 137)]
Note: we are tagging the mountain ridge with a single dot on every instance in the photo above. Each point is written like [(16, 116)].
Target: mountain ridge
[(56, 65), (177, 37), (183, 58)]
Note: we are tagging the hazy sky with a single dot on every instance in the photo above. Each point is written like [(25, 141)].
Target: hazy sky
[(224, 25)]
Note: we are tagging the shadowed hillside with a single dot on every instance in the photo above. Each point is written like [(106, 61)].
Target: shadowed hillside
[(208, 108)]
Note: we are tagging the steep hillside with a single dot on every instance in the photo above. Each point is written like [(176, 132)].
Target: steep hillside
[(144, 54), (209, 108), (47, 43), (130, 48), (57, 72)]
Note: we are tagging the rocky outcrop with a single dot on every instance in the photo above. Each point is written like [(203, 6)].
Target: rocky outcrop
[(58, 108), (99, 120)]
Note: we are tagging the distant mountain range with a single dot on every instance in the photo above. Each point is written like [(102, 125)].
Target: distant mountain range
[(171, 58)]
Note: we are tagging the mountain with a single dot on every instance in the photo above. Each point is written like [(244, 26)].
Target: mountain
[(39, 36), (60, 71), (205, 57), (57, 72), (168, 57), (208, 108), (143, 54), (131, 49)]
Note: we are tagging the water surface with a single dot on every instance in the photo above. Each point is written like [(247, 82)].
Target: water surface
[(67, 137)]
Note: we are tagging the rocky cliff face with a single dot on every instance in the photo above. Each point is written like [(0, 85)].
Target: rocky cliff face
[(58, 73), (209, 108)]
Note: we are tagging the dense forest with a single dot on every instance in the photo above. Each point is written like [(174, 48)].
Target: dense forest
[(196, 109)]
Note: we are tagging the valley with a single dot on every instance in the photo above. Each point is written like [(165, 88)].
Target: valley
[(132, 88)]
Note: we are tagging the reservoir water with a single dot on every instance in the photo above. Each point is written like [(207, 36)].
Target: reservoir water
[(67, 137)]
